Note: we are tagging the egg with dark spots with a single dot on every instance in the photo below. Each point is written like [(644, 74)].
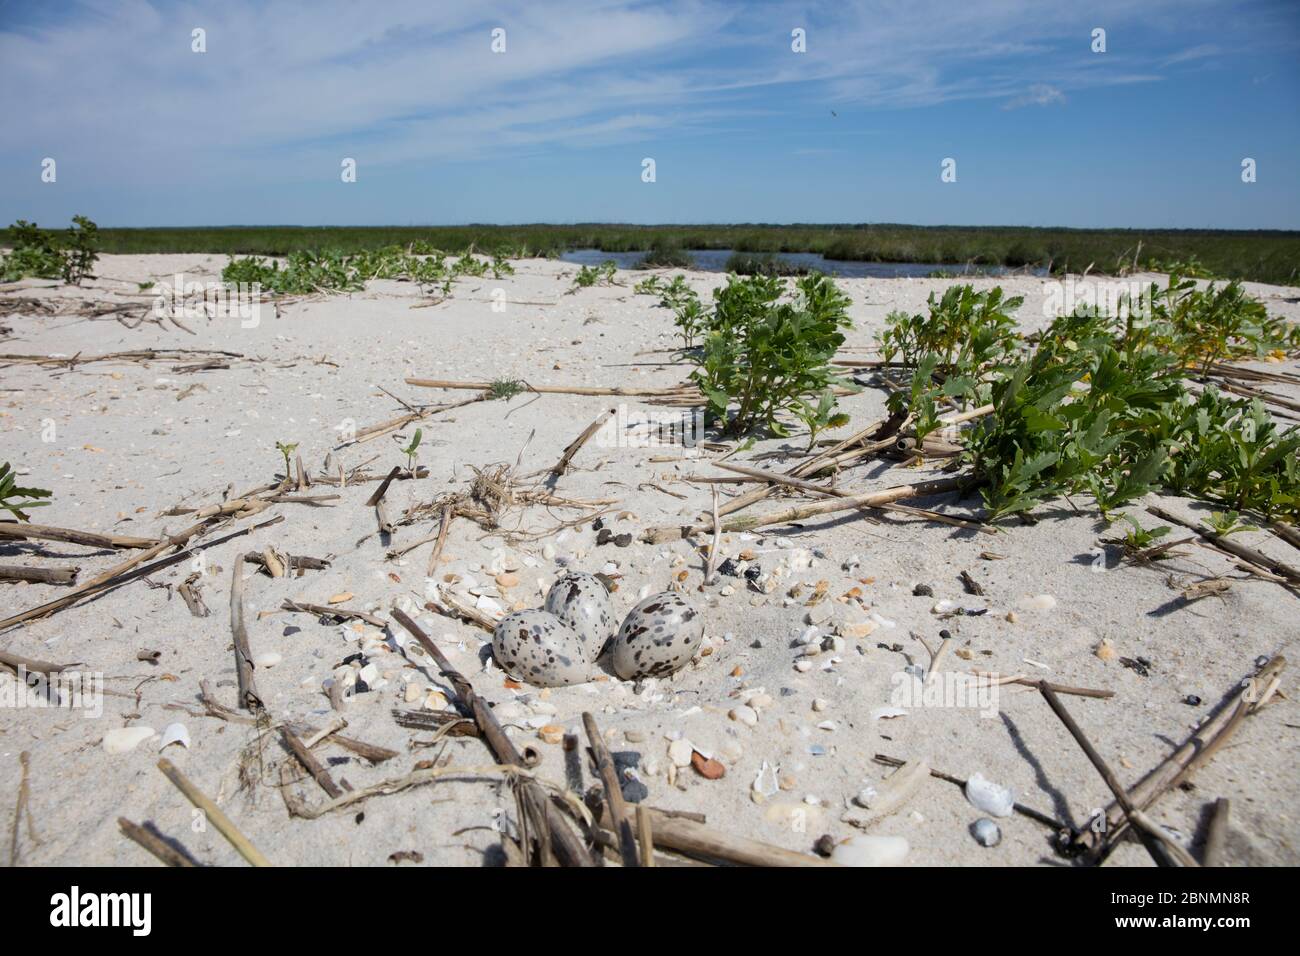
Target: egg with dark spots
[(540, 649), (660, 635), (582, 601)]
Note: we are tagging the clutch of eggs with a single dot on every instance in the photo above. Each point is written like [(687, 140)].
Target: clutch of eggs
[(558, 645)]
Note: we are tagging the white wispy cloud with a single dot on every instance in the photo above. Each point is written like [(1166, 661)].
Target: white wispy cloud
[(1040, 94), (283, 86)]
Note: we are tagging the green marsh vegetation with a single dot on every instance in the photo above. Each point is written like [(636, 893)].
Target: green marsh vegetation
[(1257, 255)]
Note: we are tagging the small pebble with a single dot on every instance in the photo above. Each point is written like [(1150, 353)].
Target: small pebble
[(986, 832), (707, 767)]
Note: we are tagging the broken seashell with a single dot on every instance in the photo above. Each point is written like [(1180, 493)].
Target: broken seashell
[(990, 797), (125, 739), (1039, 602), (765, 783), (865, 850), (175, 734)]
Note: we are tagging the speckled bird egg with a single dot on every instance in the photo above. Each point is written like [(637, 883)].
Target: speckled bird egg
[(537, 647), (659, 636), (582, 601)]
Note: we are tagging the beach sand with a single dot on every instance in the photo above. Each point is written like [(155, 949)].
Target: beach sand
[(120, 442)]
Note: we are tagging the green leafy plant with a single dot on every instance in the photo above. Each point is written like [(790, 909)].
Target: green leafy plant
[(677, 293), (80, 250), (1097, 404), (410, 451), (308, 272), (15, 499), (820, 416), (764, 356), (286, 450), (1138, 539), (1224, 523), (70, 255), (590, 275), (964, 328), (505, 389)]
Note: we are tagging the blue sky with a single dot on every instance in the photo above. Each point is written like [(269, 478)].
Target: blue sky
[(1044, 131)]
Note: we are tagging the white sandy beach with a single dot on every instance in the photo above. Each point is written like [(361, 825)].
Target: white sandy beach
[(130, 440)]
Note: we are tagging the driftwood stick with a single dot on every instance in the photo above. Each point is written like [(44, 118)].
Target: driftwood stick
[(613, 792), (645, 835), (164, 852), (937, 657), (248, 696), (1036, 683), (1216, 835), (22, 807), (20, 530), (382, 490), (1257, 558), (884, 428), (563, 841), (213, 813), (561, 389), (393, 424), (372, 752), (561, 466), (822, 491), (1159, 852), (449, 605), (323, 610), (19, 572), (190, 593), (1286, 532), (129, 571), (293, 562), (710, 569), (448, 515), (310, 763), (699, 841), (827, 506), (31, 665), (1196, 751)]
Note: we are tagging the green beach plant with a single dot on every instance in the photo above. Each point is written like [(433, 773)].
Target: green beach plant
[(761, 358), (16, 499)]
